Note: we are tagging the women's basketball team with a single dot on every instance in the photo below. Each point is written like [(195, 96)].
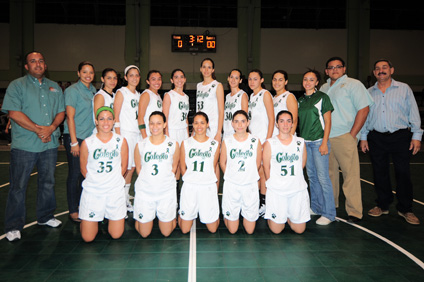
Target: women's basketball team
[(251, 140)]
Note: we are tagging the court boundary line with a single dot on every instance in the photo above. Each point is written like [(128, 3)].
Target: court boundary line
[(384, 239), (34, 173), (192, 265)]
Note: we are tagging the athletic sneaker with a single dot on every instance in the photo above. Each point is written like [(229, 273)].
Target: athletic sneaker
[(262, 210), (13, 235), (130, 207), (323, 221), (52, 223), (410, 217), (377, 211)]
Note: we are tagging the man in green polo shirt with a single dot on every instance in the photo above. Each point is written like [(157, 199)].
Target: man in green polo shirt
[(36, 108)]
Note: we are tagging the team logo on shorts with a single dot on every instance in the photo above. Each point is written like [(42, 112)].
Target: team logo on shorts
[(92, 214), (182, 213), (273, 216), (140, 215), (227, 213)]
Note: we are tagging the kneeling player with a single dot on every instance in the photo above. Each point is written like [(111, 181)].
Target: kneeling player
[(104, 160), (240, 160), (199, 195), (156, 161), (287, 198)]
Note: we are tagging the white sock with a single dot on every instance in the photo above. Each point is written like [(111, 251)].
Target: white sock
[(127, 192)]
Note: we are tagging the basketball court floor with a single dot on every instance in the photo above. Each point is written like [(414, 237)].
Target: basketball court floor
[(375, 249)]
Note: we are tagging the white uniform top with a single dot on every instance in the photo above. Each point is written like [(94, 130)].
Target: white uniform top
[(155, 104), (232, 104), (199, 159), (129, 110), (156, 176), (178, 111), (241, 168), (104, 173), (207, 102), (280, 103), (258, 116), (286, 171), (108, 102)]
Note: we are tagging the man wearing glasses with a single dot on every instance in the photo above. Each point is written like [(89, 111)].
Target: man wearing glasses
[(393, 129), (351, 102)]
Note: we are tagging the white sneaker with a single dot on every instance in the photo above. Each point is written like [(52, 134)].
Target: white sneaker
[(13, 235), (262, 210), (130, 207), (323, 221), (52, 223)]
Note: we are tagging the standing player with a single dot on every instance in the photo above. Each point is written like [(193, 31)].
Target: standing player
[(176, 107), (283, 99), (126, 112), (150, 101), (235, 100), (240, 160), (104, 157), (156, 160), (198, 159), (105, 96), (287, 198), (261, 113), (210, 99)]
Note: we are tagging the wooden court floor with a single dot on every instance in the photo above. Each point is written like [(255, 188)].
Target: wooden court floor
[(376, 249)]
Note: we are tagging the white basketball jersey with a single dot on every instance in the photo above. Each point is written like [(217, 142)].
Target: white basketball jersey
[(155, 104), (104, 165), (241, 168), (258, 116), (129, 110), (280, 103), (178, 111), (199, 159), (232, 104), (108, 102), (286, 173), (207, 102), (156, 176)]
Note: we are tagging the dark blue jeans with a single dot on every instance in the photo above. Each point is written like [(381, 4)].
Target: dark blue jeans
[(75, 178), (21, 165)]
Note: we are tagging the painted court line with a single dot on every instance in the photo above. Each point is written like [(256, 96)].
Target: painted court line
[(192, 255), (34, 223), (32, 174), (397, 247)]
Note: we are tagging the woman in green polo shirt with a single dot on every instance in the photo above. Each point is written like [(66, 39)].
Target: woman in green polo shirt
[(314, 125), (78, 126)]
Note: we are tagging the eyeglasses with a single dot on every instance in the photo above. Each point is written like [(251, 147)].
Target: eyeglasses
[(336, 67)]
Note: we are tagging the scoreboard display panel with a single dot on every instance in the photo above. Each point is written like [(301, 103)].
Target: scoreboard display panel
[(194, 43)]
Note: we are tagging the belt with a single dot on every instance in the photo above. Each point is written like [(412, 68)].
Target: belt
[(390, 133)]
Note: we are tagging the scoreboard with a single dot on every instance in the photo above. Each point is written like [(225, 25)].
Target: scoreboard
[(195, 43)]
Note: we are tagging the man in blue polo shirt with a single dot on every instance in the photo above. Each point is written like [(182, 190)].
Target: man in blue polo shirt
[(36, 108)]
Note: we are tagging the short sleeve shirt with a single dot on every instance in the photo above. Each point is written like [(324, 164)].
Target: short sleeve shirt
[(80, 98), (311, 115), (348, 96), (40, 103)]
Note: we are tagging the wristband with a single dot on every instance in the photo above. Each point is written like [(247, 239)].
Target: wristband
[(74, 144), (117, 124), (142, 126)]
